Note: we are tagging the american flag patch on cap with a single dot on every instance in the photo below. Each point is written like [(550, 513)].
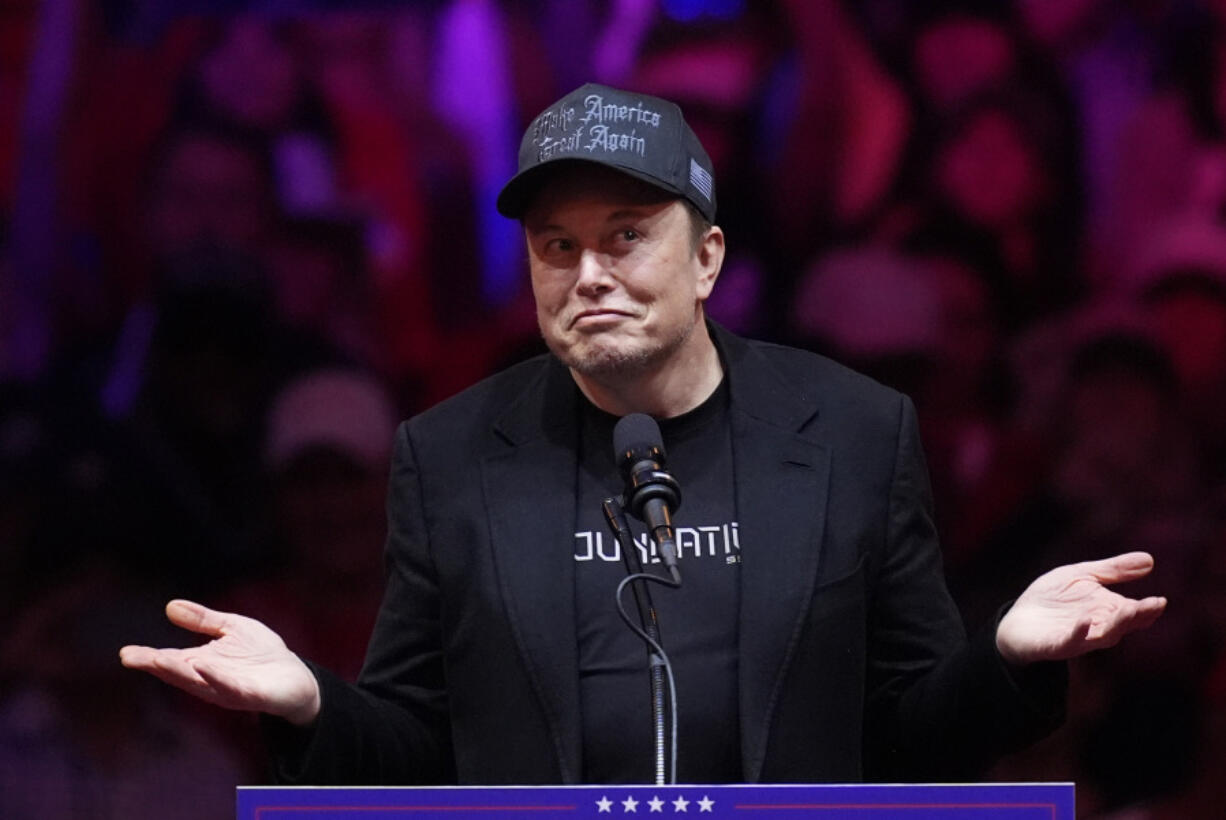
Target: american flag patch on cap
[(700, 178)]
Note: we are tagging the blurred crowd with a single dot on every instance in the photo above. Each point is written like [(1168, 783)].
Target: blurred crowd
[(240, 240)]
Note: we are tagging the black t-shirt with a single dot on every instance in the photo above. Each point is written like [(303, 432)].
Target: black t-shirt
[(698, 622)]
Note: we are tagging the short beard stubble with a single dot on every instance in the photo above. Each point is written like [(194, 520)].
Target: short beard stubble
[(599, 362)]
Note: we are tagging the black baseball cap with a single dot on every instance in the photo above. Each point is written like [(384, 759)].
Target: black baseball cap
[(637, 134)]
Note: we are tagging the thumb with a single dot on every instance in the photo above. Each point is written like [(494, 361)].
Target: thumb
[(196, 617), (1126, 567)]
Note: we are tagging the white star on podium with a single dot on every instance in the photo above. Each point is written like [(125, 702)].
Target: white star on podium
[(630, 804), (604, 804), (705, 803), (656, 803), (680, 804)]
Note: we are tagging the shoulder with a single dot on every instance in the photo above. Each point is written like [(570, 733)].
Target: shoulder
[(773, 374)]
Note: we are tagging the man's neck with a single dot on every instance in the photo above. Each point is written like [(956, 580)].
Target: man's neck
[(684, 381)]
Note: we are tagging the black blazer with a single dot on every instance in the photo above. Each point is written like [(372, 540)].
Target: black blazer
[(853, 660)]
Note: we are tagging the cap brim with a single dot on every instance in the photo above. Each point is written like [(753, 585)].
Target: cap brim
[(517, 195)]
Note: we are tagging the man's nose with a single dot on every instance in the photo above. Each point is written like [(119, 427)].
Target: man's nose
[(594, 275)]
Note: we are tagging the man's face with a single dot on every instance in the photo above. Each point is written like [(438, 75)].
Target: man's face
[(209, 191), (618, 280)]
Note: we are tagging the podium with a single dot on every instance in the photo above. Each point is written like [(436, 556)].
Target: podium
[(1011, 801)]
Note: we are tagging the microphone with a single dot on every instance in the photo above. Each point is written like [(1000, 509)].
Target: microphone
[(651, 493)]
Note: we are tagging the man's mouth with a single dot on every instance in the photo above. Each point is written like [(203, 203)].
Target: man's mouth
[(601, 316)]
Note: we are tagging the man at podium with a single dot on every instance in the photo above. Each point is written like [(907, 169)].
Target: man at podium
[(813, 637)]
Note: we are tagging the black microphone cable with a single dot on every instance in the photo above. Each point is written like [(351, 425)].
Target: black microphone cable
[(661, 667)]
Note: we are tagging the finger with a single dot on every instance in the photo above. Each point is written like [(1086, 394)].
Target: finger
[(1156, 603), (1143, 614), (142, 657), (168, 666), (1146, 615), (177, 665), (1136, 615), (1126, 567), (136, 657), (197, 618)]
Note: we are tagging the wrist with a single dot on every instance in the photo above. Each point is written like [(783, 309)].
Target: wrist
[(1006, 644), (305, 712), (1011, 658)]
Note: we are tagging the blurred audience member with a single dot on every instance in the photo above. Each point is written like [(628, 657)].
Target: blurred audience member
[(1119, 463), (966, 400), (874, 309), (832, 137), (248, 75), (1122, 453), (328, 449), (182, 425), (408, 177), (321, 285), (209, 210), (960, 51), (251, 76), (1111, 55), (1180, 276), (1172, 157), (1000, 173), (950, 52), (211, 185)]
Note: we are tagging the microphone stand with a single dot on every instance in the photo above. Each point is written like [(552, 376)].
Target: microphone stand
[(620, 527)]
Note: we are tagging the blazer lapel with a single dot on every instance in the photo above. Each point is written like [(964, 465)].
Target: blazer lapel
[(530, 496), (781, 489)]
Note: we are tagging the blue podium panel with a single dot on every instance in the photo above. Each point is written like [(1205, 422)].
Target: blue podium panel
[(1013, 801)]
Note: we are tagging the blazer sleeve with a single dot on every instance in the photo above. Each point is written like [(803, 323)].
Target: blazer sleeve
[(392, 726), (938, 707)]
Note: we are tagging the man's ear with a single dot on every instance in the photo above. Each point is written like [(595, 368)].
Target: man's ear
[(710, 257)]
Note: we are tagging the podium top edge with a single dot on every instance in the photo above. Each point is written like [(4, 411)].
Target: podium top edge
[(581, 786)]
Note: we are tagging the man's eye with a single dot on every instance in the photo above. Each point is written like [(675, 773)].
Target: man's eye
[(561, 245), (629, 234)]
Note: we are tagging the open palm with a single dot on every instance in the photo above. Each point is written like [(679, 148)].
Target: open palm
[(245, 666), (1069, 611)]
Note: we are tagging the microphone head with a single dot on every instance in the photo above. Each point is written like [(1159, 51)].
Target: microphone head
[(636, 438)]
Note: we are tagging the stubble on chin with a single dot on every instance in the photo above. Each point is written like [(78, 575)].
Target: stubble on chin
[(596, 359)]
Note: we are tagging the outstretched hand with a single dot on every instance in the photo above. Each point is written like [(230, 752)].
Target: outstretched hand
[(245, 666), (1069, 611)]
